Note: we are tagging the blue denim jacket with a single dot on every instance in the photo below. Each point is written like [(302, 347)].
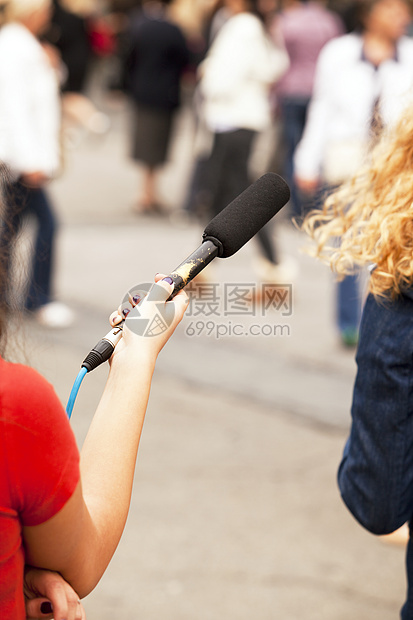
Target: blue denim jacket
[(376, 474)]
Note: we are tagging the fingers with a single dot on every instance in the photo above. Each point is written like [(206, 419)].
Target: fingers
[(65, 602), (159, 292), (307, 186), (122, 312), (39, 608), (57, 598), (150, 316), (115, 318), (181, 301), (159, 276), (68, 607), (81, 611)]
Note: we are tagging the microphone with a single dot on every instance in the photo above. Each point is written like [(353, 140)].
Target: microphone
[(225, 234), (234, 226)]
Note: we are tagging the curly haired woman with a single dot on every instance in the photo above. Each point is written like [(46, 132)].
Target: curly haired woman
[(373, 216)]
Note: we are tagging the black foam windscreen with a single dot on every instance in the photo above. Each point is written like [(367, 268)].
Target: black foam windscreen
[(247, 214)]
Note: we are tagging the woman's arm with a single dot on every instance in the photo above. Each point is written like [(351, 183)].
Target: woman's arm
[(80, 540)]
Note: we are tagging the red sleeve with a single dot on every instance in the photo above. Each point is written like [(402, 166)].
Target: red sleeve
[(42, 455)]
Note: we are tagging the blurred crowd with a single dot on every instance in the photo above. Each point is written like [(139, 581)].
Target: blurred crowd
[(319, 81)]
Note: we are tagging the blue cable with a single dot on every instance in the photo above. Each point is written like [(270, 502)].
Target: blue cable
[(75, 389)]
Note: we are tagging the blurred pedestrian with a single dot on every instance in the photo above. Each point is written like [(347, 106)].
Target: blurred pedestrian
[(363, 81), (235, 80), (196, 202), (372, 217), (219, 14), (155, 64), (29, 144), (69, 32), (305, 28)]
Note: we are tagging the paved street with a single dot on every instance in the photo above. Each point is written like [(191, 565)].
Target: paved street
[(235, 513)]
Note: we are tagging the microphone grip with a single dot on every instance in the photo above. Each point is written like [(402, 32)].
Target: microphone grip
[(193, 265), (181, 276)]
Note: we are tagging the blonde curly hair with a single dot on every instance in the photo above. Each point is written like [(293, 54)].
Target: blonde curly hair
[(369, 219)]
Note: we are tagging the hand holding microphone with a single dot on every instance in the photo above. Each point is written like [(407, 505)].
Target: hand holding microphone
[(149, 323), (225, 234), (229, 231), (143, 312)]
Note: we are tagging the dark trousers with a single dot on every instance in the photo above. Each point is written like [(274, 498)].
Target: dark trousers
[(227, 176), (349, 295), (23, 202), (294, 113), (349, 303)]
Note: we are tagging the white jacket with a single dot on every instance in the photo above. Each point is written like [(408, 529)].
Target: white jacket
[(29, 104), (346, 87), (237, 74)]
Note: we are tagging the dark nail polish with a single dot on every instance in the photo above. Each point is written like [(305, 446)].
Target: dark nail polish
[(136, 299), (46, 608), (125, 311), (168, 279)]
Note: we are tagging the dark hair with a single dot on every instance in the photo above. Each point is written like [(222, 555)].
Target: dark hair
[(7, 235), (255, 9), (361, 10), (3, 308), (4, 251)]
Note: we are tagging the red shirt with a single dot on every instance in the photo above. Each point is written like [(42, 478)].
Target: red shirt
[(39, 470)]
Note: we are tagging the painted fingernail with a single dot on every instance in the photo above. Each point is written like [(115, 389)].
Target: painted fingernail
[(168, 279), (125, 311), (46, 608), (136, 299)]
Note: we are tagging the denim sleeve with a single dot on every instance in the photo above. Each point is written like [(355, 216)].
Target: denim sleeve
[(376, 473)]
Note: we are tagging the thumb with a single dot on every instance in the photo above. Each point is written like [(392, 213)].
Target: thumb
[(39, 608)]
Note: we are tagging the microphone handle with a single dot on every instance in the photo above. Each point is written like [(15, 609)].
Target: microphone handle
[(193, 265), (181, 276)]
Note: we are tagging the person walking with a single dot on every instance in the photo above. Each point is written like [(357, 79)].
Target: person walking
[(348, 109), (305, 27), (155, 63), (29, 146), (235, 80)]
